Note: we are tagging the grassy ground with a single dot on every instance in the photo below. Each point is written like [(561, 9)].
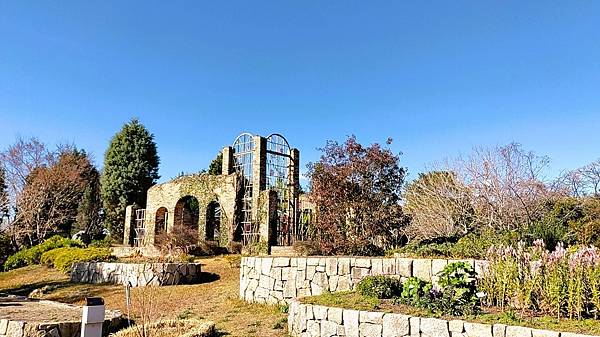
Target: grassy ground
[(353, 300), (215, 299)]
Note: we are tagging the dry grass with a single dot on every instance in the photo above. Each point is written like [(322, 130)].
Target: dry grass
[(215, 299), (170, 328)]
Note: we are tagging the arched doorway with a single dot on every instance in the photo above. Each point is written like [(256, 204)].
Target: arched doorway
[(160, 221), (213, 221), (186, 216)]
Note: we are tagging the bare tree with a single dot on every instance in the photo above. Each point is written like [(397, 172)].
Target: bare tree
[(19, 160), (591, 177), (439, 205), (507, 183), (580, 182)]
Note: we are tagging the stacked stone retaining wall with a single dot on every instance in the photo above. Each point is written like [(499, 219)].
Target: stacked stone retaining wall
[(19, 328), (136, 274), (306, 320), (281, 279)]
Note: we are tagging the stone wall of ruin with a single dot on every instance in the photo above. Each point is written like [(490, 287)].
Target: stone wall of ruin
[(206, 189)]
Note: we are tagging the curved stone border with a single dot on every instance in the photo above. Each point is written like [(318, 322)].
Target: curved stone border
[(308, 320), (114, 321), (281, 279), (136, 274)]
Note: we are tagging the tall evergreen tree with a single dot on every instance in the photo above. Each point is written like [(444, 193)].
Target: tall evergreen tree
[(88, 212), (216, 165), (130, 168)]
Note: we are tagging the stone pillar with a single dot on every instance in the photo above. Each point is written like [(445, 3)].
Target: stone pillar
[(295, 186), (259, 172), (227, 166), (267, 216), (129, 226)]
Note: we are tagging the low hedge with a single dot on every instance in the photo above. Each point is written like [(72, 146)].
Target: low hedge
[(30, 256), (63, 258)]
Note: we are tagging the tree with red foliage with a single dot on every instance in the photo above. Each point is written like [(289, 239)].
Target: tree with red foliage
[(50, 200), (357, 191)]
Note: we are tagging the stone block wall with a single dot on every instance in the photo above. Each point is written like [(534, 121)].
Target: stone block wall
[(18, 328), (281, 279), (308, 320), (136, 274)]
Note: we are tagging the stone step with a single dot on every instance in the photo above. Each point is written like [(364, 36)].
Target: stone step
[(283, 251)]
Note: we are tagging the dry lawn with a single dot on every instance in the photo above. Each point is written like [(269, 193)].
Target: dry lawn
[(215, 299)]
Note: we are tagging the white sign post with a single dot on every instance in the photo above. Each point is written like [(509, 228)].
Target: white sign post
[(93, 317)]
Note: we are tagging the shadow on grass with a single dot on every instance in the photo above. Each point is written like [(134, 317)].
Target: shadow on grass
[(208, 277), (64, 291), (26, 289)]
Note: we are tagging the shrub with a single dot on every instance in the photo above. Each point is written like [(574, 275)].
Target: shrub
[(366, 249), (456, 296), (459, 290), (470, 246), (256, 248), (181, 240), (306, 248), (234, 247), (207, 248), (414, 291), (32, 255), (104, 243), (63, 258), (382, 287)]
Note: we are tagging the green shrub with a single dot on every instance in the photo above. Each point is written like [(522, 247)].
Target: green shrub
[(415, 291), (257, 248), (382, 287), (456, 296), (32, 255), (470, 246), (107, 242), (63, 258), (459, 290)]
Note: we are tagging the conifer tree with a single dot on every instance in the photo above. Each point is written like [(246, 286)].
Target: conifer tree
[(130, 168)]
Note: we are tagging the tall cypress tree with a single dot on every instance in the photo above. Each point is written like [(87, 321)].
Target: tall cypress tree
[(130, 168), (216, 165)]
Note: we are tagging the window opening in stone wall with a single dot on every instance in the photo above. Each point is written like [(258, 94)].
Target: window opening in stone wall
[(213, 221), (186, 216), (160, 222)]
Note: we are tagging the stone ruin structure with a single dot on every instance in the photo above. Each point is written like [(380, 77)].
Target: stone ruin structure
[(255, 198)]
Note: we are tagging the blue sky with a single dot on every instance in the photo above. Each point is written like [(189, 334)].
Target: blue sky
[(439, 77)]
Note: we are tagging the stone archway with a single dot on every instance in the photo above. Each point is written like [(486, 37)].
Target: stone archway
[(186, 215), (160, 221), (213, 221)]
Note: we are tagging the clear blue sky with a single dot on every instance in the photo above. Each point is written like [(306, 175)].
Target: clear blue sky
[(439, 77)]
